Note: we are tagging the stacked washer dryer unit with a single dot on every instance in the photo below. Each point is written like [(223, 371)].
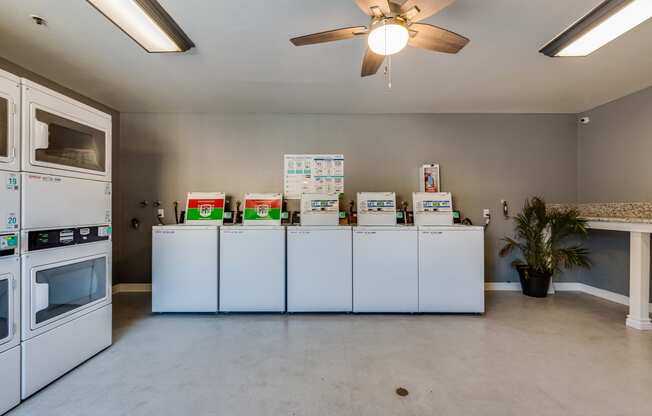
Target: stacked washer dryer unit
[(66, 235), (9, 247)]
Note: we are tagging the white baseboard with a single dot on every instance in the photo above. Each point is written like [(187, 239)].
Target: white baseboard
[(132, 288), (502, 286), (489, 287), (565, 287), (605, 294)]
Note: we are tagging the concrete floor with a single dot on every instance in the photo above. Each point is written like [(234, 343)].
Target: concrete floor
[(566, 355)]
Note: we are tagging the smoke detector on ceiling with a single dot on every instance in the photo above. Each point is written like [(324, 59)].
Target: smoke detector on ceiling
[(38, 20)]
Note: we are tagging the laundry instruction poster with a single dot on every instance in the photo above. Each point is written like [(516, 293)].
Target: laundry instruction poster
[(313, 174)]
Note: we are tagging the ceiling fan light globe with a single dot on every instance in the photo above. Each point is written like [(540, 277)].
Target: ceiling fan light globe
[(388, 38)]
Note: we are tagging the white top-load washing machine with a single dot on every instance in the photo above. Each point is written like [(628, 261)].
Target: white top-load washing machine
[(385, 273), (185, 262), (66, 301), (9, 122), (63, 137), (319, 258), (451, 269), (9, 321), (252, 268)]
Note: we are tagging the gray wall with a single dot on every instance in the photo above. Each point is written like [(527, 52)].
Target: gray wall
[(484, 158), (614, 165), (117, 201)]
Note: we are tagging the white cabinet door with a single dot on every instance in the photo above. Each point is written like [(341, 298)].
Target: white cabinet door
[(252, 269), (319, 269), (451, 271), (385, 275)]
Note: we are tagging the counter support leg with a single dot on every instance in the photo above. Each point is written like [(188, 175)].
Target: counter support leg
[(639, 281)]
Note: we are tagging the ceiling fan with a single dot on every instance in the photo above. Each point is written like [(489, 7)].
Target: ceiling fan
[(394, 24)]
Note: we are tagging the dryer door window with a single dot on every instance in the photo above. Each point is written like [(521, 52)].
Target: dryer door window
[(59, 141), (64, 289), (5, 308), (4, 128)]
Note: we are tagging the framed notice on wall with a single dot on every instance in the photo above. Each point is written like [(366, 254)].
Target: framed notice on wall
[(429, 180), (312, 174)]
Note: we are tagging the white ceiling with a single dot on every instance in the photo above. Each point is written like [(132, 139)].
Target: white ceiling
[(244, 62)]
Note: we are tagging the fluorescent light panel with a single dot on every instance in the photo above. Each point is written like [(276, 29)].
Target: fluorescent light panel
[(605, 23), (146, 22)]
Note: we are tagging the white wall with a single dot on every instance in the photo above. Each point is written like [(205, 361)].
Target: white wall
[(615, 165)]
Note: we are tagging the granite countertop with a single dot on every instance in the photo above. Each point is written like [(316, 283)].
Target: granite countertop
[(628, 212)]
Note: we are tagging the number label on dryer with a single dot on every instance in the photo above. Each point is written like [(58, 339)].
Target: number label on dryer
[(12, 221), (12, 182)]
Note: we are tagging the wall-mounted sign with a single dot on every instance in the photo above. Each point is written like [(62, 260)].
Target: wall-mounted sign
[(262, 209), (313, 174), (429, 180), (205, 208)]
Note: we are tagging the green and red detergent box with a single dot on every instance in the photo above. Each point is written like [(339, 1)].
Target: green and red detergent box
[(262, 209), (205, 208)]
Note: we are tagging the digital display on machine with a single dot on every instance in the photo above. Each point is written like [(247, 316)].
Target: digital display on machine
[(378, 204), (436, 204), (322, 204)]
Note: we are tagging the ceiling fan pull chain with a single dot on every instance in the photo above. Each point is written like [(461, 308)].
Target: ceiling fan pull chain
[(389, 72)]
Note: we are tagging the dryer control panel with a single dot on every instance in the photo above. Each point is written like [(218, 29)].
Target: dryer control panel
[(8, 244), (63, 237)]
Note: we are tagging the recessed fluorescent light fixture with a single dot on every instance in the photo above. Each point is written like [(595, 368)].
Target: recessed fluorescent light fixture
[(603, 24), (147, 23)]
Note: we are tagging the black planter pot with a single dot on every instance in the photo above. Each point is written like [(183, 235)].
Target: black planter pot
[(534, 284)]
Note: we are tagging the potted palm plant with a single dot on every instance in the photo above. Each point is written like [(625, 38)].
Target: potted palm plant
[(544, 237)]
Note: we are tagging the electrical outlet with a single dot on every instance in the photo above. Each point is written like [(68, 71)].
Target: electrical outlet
[(486, 213), (161, 213)]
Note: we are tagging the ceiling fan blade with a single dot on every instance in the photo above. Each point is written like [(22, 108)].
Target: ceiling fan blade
[(415, 10), (371, 63), (374, 8), (436, 39), (329, 36)]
